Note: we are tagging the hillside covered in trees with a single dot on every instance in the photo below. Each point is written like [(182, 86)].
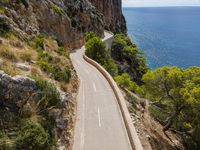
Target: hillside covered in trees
[(174, 92)]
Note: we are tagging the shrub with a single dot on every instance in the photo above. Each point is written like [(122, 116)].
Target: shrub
[(32, 136), (50, 95), (125, 82), (111, 67), (5, 142), (89, 36), (61, 50), (96, 49), (49, 62), (61, 75), (44, 65), (125, 52), (37, 42)]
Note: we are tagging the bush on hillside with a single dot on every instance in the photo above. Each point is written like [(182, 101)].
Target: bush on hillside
[(89, 36), (96, 50), (176, 92), (124, 51), (32, 136), (48, 92), (5, 142), (125, 82), (48, 62)]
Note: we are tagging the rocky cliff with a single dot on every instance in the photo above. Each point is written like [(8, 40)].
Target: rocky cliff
[(112, 11), (66, 21)]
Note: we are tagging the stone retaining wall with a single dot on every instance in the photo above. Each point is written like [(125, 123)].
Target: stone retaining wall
[(132, 134)]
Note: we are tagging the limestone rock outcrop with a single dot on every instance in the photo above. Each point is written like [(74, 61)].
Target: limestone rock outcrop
[(15, 91), (19, 92), (66, 21), (112, 11)]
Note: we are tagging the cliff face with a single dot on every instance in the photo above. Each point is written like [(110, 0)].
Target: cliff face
[(112, 11), (66, 21)]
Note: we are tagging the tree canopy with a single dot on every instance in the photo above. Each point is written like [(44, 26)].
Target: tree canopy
[(128, 57), (177, 92), (96, 49)]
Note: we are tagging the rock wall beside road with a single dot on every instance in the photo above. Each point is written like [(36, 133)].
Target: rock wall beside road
[(65, 20)]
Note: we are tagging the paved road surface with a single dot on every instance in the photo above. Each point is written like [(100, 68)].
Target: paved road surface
[(99, 124)]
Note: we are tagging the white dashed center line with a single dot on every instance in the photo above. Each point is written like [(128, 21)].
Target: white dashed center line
[(94, 86), (99, 117), (83, 124)]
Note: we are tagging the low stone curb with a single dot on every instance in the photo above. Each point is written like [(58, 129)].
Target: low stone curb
[(132, 134)]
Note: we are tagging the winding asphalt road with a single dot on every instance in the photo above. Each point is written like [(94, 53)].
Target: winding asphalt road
[(99, 124)]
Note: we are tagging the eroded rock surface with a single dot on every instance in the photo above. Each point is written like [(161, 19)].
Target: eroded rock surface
[(15, 91), (112, 11), (66, 21), (21, 93)]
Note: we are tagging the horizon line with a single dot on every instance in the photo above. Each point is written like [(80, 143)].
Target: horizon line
[(162, 6)]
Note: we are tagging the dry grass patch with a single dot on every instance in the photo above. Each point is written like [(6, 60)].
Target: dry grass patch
[(27, 54), (8, 54), (9, 68)]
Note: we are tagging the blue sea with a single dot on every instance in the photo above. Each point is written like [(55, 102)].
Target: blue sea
[(168, 36)]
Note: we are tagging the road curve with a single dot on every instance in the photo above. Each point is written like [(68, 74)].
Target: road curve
[(99, 123)]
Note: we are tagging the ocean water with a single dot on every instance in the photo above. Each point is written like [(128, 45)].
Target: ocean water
[(168, 36)]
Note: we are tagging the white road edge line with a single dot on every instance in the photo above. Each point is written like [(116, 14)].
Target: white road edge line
[(94, 86), (83, 124), (99, 117)]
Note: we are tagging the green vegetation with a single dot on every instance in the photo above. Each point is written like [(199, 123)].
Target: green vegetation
[(176, 96), (5, 142), (49, 63), (124, 51), (31, 125), (132, 101), (32, 136), (50, 95), (125, 82), (2, 10), (89, 36), (96, 49), (57, 9), (61, 50)]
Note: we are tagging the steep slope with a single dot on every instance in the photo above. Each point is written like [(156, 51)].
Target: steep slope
[(113, 17), (35, 40), (38, 86), (66, 21)]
